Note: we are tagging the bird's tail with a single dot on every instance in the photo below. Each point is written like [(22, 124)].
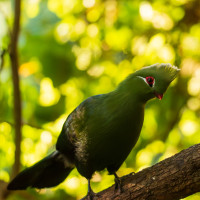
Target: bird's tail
[(48, 172)]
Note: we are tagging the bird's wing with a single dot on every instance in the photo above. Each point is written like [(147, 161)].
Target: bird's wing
[(76, 122), (67, 138)]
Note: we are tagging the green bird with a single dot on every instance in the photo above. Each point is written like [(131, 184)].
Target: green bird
[(100, 132)]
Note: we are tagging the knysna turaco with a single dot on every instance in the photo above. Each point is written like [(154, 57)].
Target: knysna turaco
[(100, 132)]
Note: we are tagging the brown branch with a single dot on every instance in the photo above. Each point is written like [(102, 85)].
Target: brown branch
[(173, 178), (13, 52)]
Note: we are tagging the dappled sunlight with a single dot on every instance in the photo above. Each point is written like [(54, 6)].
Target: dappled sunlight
[(193, 104), (29, 68), (139, 45), (167, 54), (62, 32), (174, 138), (80, 27), (162, 21), (4, 175), (112, 38), (33, 145), (96, 70), (190, 43), (88, 3), (194, 86), (94, 13), (61, 8), (70, 50), (150, 124), (72, 183), (48, 94), (83, 59), (189, 67), (55, 127), (157, 41), (3, 25), (32, 8), (188, 127), (46, 137), (92, 30), (145, 156), (110, 12), (169, 151), (6, 150), (146, 11), (159, 20)]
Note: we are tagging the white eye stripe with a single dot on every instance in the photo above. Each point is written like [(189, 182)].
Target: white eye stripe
[(144, 79)]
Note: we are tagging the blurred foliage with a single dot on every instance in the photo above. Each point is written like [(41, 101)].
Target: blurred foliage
[(72, 49)]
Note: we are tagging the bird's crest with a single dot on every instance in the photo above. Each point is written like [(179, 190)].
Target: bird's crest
[(171, 70), (165, 70)]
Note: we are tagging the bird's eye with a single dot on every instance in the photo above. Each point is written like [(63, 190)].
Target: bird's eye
[(150, 80)]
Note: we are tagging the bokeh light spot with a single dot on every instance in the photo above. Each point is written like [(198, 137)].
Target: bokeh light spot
[(162, 21), (84, 59), (92, 30), (29, 68), (48, 94), (194, 86), (146, 11), (88, 3), (188, 127), (62, 32), (46, 137), (96, 71), (80, 27), (73, 183)]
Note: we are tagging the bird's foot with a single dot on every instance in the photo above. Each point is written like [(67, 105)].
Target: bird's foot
[(118, 184), (90, 196)]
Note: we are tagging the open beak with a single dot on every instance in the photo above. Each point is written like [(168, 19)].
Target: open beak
[(159, 96)]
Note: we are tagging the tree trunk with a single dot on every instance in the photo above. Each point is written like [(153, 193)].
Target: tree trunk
[(13, 52), (173, 178)]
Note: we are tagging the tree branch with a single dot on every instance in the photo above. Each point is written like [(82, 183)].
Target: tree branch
[(13, 52), (173, 178)]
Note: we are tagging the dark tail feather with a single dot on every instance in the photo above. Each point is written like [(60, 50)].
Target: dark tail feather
[(48, 172)]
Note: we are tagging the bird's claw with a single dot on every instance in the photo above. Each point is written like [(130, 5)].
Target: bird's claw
[(118, 185), (90, 196)]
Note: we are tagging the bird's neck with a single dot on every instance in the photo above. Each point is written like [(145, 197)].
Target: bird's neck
[(133, 90), (124, 103)]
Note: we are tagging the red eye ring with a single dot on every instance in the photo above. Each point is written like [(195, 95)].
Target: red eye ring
[(150, 80)]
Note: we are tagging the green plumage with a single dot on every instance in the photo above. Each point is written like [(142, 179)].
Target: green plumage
[(103, 129)]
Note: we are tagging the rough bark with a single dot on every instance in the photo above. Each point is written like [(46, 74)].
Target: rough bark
[(13, 52), (173, 178)]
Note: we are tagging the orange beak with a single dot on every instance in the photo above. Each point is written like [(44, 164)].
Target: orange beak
[(159, 96)]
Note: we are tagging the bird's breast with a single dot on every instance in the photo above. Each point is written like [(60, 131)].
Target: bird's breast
[(113, 141)]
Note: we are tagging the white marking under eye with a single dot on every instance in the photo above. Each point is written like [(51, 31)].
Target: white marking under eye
[(144, 79)]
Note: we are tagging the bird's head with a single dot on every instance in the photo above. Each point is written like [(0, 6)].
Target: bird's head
[(151, 81), (156, 78)]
